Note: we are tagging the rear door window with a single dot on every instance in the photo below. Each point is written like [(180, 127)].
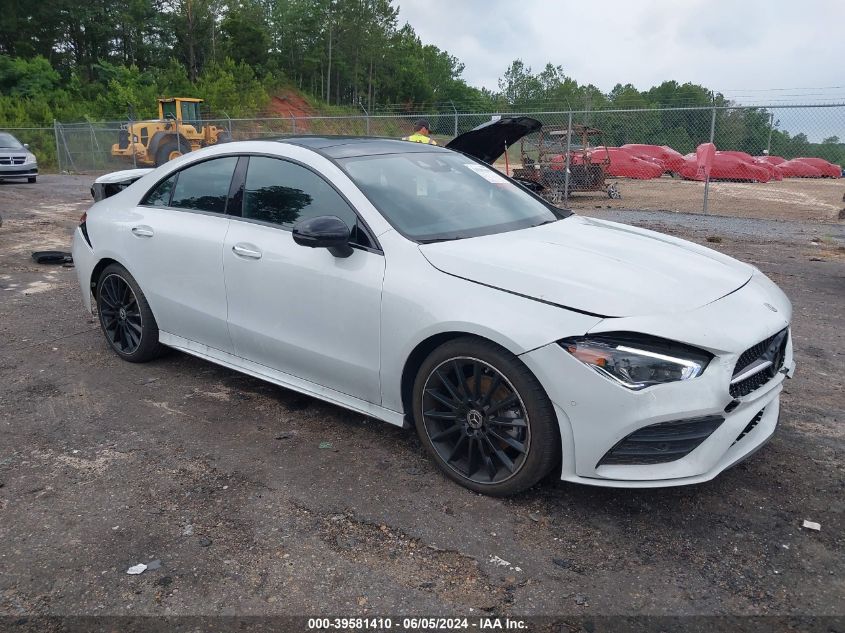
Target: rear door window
[(204, 186), (160, 195)]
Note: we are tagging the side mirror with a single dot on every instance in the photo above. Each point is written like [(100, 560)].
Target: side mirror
[(26, 145), (325, 231)]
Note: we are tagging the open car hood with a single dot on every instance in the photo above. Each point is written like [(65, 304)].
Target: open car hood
[(488, 141), (594, 266), (109, 184)]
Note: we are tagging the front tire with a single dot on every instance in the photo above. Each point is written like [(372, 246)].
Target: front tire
[(484, 418), (169, 150), (31, 179), (125, 316)]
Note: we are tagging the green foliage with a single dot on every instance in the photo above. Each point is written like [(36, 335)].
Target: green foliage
[(245, 35), (231, 88), (99, 59), (31, 78)]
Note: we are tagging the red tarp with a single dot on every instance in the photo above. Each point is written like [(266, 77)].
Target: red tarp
[(748, 158), (622, 164), (828, 170), (724, 166), (798, 169), (641, 161), (772, 160), (774, 174), (672, 160)]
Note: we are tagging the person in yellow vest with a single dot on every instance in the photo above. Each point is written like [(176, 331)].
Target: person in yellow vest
[(421, 133)]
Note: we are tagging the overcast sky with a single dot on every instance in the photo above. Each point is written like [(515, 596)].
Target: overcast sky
[(736, 47)]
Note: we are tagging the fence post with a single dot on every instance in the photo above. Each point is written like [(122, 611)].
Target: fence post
[(293, 124), (132, 143), (455, 110), (366, 116), (93, 151), (56, 135), (712, 136), (566, 162), (771, 128), (67, 150)]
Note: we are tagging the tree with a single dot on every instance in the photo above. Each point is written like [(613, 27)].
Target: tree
[(244, 35), (194, 24), (519, 87)]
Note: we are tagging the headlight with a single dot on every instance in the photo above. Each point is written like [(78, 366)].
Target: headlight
[(30, 158), (637, 361)]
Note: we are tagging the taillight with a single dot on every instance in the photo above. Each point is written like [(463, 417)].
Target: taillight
[(84, 228)]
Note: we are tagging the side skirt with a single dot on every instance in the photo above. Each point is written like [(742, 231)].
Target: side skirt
[(280, 378)]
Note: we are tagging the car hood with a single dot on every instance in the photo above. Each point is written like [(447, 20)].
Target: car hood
[(593, 266), (124, 176), (488, 141)]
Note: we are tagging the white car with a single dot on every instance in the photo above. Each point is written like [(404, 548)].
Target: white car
[(418, 285)]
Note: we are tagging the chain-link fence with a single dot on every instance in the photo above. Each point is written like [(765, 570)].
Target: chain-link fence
[(765, 161)]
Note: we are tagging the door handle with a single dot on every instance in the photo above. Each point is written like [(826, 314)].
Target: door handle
[(246, 250), (142, 231)]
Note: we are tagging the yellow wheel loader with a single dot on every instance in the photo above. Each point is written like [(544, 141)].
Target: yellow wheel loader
[(178, 130)]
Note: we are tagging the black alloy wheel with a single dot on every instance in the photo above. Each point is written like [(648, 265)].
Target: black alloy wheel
[(125, 316), (476, 420), (484, 417), (120, 315)]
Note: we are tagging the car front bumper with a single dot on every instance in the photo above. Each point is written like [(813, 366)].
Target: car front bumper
[(595, 413), (18, 171)]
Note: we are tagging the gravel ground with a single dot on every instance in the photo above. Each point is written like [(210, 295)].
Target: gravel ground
[(804, 199), (227, 481)]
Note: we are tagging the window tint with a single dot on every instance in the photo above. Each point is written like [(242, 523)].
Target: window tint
[(283, 193), (160, 196), (204, 186)]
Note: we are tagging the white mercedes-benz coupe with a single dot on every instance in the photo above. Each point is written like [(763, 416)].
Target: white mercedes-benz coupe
[(418, 285)]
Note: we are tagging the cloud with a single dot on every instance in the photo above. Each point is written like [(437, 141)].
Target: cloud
[(725, 45)]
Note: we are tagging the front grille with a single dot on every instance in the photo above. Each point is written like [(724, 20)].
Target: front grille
[(661, 443), (772, 349), (12, 160), (750, 426)]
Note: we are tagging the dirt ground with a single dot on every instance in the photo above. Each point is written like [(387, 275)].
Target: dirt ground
[(807, 199), (227, 481)]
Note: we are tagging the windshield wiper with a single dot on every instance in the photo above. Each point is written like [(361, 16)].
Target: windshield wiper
[(443, 239)]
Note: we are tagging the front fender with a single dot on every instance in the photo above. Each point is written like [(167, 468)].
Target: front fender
[(439, 303)]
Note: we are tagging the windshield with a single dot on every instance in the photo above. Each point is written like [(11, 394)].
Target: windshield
[(7, 140), (190, 112), (437, 196)]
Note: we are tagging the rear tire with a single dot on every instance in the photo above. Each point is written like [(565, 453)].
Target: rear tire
[(496, 432), (125, 316)]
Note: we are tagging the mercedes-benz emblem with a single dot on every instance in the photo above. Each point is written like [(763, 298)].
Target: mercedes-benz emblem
[(475, 419)]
